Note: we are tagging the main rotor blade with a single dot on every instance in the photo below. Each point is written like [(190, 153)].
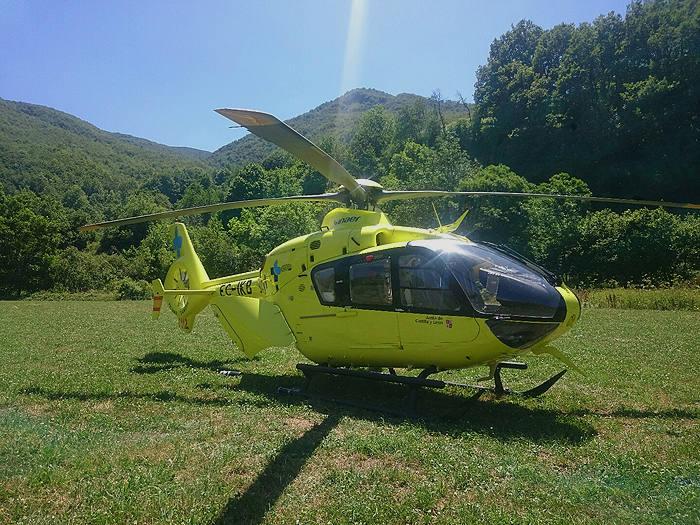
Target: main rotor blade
[(273, 130), (337, 197), (397, 195)]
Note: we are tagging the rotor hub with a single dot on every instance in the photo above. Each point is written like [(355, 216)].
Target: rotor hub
[(372, 192)]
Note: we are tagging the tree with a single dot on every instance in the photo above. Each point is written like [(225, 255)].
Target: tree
[(612, 102), (369, 146), (496, 219), (30, 241), (436, 99), (257, 231), (420, 167), (411, 124), (553, 225), (115, 240)]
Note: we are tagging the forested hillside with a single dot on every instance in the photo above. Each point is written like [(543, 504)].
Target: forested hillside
[(337, 120), (614, 102), (608, 107), (55, 154)]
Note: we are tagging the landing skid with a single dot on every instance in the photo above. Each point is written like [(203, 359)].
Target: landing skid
[(498, 388), (413, 384)]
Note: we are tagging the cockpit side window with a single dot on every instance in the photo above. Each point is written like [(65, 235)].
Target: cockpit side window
[(425, 284)]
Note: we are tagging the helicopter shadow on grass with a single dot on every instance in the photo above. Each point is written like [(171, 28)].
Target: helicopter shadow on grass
[(502, 420), (252, 505), (154, 362), (634, 413), (151, 363), (449, 412)]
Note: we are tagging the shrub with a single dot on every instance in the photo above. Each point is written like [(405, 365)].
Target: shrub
[(128, 289)]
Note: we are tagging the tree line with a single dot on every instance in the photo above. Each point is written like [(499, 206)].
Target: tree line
[(608, 107), (613, 102)]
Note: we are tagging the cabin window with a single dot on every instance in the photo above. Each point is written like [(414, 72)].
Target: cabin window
[(370, 282), (324, 281), (425, 284)]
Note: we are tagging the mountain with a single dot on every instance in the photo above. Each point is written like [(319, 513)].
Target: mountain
[(49, 152), (182, 151), (336, 118), (73, 124)]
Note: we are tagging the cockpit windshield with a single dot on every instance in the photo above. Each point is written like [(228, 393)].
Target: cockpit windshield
[(495, 283)]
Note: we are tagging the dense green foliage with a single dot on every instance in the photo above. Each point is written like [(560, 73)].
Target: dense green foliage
[(338, 119), (614, 102), (608, 107)]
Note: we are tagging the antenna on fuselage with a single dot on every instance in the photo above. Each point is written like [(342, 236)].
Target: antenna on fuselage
[(437, 216)]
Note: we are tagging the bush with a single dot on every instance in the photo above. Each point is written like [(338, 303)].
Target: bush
[(640, 247), (73, 270), (128, 289)]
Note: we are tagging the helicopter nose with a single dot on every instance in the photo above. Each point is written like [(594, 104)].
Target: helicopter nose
[(573, 306)]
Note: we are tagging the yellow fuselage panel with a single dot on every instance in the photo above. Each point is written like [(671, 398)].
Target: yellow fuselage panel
[(355, 336), (252, 324)]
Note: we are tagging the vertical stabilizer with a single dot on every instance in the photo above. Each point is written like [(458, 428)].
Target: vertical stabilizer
[(186, 273)]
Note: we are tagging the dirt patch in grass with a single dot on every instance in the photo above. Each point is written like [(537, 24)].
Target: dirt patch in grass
[(105, 405), (362, 463), (60, 501), (38, 409), (559, 464), (243, 471), (158, 450), (299, 425), (358, 462)]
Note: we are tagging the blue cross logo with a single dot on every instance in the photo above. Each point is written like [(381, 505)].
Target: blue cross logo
[(275, 271), (177, 243)]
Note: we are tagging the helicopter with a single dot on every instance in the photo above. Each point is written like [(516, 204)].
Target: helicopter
[(361, 294)]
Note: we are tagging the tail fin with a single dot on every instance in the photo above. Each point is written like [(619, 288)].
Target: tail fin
[(186, 273), (158, 293)]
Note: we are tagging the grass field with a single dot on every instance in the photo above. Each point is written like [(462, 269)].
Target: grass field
[(675, 298), (108, 417)]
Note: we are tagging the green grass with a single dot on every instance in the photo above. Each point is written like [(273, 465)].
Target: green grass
[(108, 417), (675, 298)]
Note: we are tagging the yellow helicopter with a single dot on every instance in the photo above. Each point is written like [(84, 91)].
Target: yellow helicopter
[(362, 292)]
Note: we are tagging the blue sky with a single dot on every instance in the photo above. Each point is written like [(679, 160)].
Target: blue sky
[(157, 69)]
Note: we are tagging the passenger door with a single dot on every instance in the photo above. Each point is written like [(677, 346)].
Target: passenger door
[(364, 324), (433, 315)]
